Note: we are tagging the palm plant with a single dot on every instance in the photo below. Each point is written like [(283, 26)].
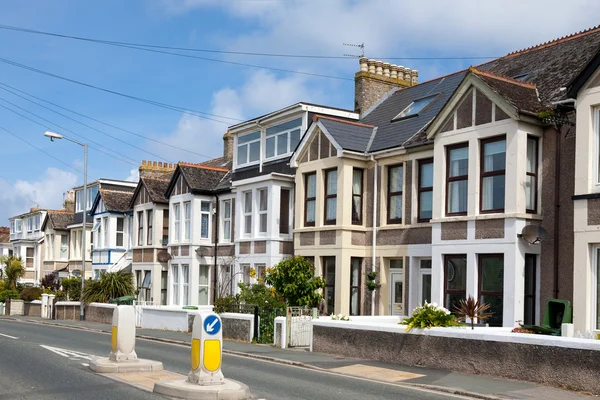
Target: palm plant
[(111, 285), (13, 270), (472, 309)]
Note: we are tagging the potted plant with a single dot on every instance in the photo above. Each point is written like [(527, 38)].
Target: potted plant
[(371, 284), (472, 309)]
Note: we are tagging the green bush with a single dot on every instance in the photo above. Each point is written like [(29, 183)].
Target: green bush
[(294, 279), (223, 304), (8, 294), (31, 293), (111, 285), (429, 316), (72, 288), (259, 295), (2, 286)]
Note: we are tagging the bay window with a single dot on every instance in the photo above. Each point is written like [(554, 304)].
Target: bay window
[(247, 213), (331, 196), (329, 291), (105, 221), (187, 215), (185, 272), (203, 285), (64, 247), (491, 285), (493, 170), (310, 198), (425, 201), (457, 179), (140, 216), (284, 211), (176, 222), (175, 284), (395, 184), (120, 232), (282, 139), (455, 280), (29, 256), (149, 233), (355, 274), (248, 148), (204, 219), (227, 220), (263, 200), (531, 182), (357, 196)]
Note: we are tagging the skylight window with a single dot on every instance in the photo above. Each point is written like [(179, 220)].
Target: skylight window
[(415, 108), (521, 77)]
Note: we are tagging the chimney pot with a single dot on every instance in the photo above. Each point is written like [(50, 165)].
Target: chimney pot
[(371, 64), (394, 71), (379, 67), (364, 67), (386, 69), (415, 77), (143, 162), (407, 72)]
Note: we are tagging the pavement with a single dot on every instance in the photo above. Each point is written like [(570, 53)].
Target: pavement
[(473, 386)]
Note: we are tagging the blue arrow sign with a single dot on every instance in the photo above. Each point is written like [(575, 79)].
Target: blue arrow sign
[(212, 325)]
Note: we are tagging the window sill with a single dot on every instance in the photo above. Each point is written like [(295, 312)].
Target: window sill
[(486, 217)]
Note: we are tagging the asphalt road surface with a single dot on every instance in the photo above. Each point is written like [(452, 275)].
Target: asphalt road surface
[(46, 362)]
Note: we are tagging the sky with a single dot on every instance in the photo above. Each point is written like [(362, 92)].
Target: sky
[(435, 37)]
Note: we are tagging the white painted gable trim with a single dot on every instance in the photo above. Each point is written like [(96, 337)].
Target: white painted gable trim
[(470, 81), (306, 139)]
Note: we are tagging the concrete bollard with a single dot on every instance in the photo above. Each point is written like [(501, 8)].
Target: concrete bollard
[(122, 357), (205, 380), (207, 350), (123, 334)]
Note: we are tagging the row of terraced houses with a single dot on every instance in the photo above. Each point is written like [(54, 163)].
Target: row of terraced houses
[(430, 184)]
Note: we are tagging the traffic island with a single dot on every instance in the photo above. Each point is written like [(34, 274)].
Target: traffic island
[(205, 380), (123, 357)]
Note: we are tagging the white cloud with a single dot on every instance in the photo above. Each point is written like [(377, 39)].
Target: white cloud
[(134, 175), (47, 192), (394, 28), (262, 93)]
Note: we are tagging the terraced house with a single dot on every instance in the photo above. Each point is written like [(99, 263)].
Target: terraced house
[(151, 231), (444, 176), (263, 191), (27, 238), (56, 241), (196, 255)]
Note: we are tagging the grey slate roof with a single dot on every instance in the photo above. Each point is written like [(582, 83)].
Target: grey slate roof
[(117, 200), (552, 65), (59, 219), (157, 188), (202, 178), (521, 95), (395, 134), (349, 135)]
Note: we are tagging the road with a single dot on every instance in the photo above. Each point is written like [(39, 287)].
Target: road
[(30, 371)]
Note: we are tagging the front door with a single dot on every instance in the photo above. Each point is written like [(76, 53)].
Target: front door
[(397, 291), (424, 282)]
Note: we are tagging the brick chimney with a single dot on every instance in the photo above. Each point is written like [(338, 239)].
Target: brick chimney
[(375, 79), (156, 169), (228, 146)]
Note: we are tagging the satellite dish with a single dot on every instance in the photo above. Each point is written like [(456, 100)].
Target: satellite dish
[(533, 234), (163, 256)]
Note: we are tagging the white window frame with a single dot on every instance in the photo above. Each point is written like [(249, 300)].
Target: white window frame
[(185, 284), (262, 213), (149, 227), (247, 199), (30, 224), (245, 270), (226, 235), (13, 226), (176, 222), (247, 144), (175, 295), (205, 214), (106, 238), (122, 232), (49, 246), (64, 247), (19, 225), (36, 222), (594, 308), (204, 285), (140, 228), (187, 221), (596, 128), (32, 258), (286, 135)]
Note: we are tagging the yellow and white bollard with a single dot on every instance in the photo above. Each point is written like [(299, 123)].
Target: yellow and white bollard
[(123, 334), (122, 357), (207, 350)]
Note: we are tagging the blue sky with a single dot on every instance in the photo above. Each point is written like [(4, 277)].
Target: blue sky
[(389, 28)]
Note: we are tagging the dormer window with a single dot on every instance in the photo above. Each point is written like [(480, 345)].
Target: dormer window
[(414, 108), (522, 77), (282, 139), (248, 148)]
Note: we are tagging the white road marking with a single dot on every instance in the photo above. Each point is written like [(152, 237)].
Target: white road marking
[(8, 336), (67, 353)]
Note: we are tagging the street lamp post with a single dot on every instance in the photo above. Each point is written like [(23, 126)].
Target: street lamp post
[(53, 136)]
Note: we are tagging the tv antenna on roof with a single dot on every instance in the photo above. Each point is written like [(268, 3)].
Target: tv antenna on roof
[(360, 46)]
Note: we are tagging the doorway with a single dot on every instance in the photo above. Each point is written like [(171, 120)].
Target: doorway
[(424, 282)]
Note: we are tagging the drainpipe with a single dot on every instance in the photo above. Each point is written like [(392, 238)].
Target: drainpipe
[(557, 168), (374, 245), (215, 272)]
